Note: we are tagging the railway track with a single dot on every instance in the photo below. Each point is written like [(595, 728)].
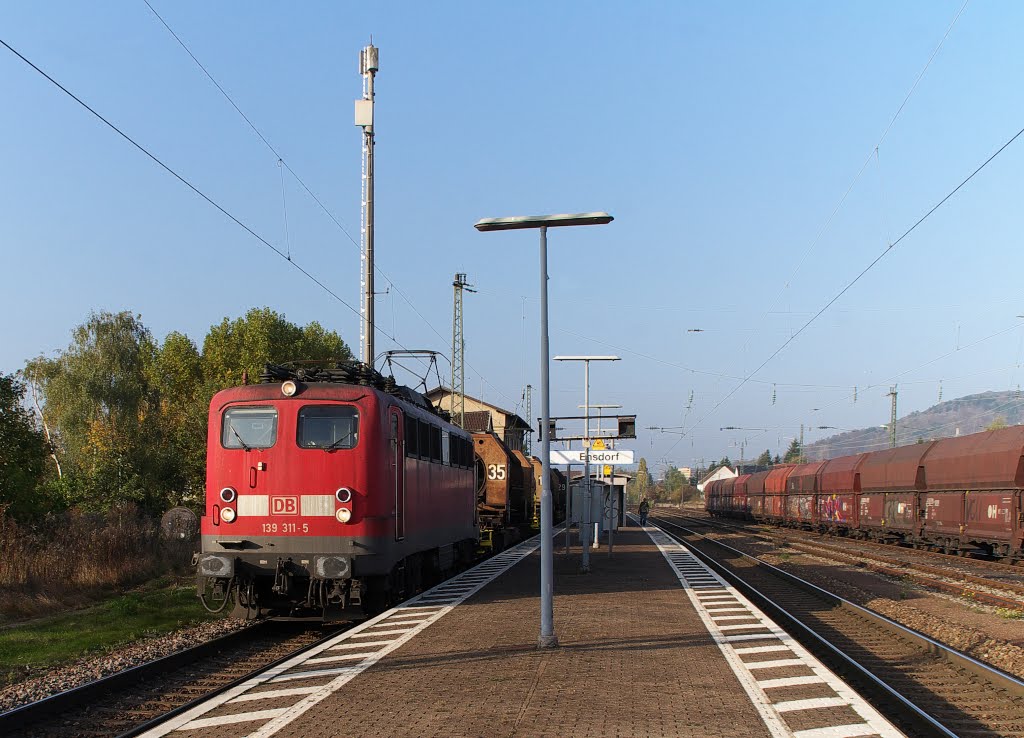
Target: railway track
[(981, 581), (125, 703), (925, 687)]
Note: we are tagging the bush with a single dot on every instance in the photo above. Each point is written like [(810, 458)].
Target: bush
[(77, 551)]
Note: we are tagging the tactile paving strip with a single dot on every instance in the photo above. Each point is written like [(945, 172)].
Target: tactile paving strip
[(311, 677), (796, 695)]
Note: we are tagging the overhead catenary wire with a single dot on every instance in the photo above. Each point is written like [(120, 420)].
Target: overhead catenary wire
[(306, 187), (899, 376), (864, 271), (251, 125), (930, 431), (873, 153), (167, 168)]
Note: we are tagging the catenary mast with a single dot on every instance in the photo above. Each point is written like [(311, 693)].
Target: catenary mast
[(461, 284)]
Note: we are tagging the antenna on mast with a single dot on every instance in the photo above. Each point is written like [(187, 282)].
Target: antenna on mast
[(368, 64)]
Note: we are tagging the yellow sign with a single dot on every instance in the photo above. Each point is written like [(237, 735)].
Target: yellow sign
[(598, 445), (607, 470)]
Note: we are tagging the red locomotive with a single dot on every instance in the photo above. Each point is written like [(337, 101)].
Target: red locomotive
[(329, 490), (959, 495)]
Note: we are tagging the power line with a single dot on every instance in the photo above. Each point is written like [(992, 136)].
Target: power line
[(252, 125), (309, 191), (897, 377), (872, 153), (718, 375), (188, 184), (864, 271)]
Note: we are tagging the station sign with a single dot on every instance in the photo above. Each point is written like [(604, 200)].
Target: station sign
[(616, 457)]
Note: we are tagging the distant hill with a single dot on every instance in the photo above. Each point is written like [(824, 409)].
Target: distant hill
[(964, 415)]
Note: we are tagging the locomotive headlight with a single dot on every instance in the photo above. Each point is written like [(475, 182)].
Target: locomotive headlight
[(344, 495), (289, 388), (227, 515), (343, 515), (228, 494)]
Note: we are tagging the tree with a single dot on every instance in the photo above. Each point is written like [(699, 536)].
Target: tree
[(129, 416), (99, 396), (23, 453), (765, 459), (264, 336), (640, 485), (184, 402), (725, 461), (794, 453), (674, 479), (998, 424)]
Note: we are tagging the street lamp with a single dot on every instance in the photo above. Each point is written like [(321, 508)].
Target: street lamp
[(547, 638), (585, 529)]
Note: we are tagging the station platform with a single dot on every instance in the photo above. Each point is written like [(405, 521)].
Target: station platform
[(650, 644)]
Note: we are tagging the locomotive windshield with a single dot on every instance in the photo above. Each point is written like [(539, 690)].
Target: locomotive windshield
[(328, 426), (249, 427)]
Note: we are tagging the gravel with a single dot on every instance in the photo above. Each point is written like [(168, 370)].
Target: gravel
[(976, 630), (91, 668)]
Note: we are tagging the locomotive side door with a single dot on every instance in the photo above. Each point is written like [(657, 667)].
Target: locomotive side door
[(398, 465)]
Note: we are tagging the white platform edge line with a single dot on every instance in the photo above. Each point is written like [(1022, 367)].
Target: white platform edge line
[(773, 719), (180, 721), (327, 690), (233, 719)]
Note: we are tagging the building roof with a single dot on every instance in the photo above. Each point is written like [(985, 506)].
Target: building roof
[(478, 421), (719, 472), (514, 422)]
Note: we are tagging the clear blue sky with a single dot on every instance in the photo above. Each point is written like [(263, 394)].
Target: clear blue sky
[(720, 136)]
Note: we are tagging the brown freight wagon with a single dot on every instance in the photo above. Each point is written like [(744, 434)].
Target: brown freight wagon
[(559, 491), (725, 490), (523, 477), (755, 494), (801, 486), (890, 482), (973, 499), (713, 497), (775, 493), (557, 483), (501, 498), (838, 492), (740, 506)]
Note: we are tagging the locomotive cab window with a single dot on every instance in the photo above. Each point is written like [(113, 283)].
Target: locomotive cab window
[(249, 427), (328, 426)]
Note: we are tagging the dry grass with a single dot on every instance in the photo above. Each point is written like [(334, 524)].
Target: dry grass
[(69, 560)]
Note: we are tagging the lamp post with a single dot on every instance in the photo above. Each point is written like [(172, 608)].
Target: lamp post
[(585, 530), (547, 638)]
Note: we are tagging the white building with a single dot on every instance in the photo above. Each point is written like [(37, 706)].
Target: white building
[(722, 472)]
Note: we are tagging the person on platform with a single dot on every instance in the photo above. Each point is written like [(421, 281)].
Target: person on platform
[(645, 507)]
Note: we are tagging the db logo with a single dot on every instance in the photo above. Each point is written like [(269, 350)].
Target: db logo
[(284, 505)]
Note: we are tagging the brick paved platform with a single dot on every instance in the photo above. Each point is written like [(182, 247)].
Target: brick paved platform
[(634, 659)]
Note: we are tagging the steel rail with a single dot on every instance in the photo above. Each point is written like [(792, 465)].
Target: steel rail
[(999, 678), (36, 712), (891, 557), (142, 728)]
